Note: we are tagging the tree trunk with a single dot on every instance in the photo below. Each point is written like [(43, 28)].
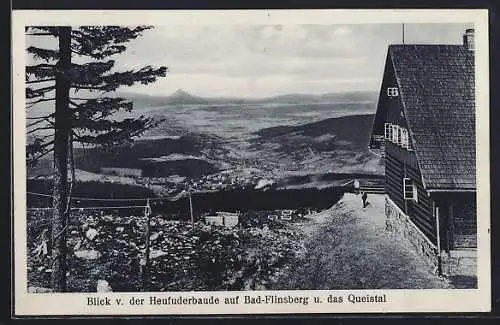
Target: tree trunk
[(61, 145)]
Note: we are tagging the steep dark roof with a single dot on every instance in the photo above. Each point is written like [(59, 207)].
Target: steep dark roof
[(436, 84)]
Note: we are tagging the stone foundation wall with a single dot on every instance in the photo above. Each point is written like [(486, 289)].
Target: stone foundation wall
[(456, 262), (398, 223)]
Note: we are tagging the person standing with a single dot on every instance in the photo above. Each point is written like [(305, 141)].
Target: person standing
[(364, 197)]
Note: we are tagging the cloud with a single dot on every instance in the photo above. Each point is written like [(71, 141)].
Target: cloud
[(264, 60)]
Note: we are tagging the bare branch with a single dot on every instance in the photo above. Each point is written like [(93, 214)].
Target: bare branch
[(41, 80)]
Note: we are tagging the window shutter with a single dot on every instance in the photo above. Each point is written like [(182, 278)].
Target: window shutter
[(404, 138), (387, 132), (395, 133)]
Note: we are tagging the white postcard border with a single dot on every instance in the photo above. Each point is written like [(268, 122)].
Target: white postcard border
[(435, 300)]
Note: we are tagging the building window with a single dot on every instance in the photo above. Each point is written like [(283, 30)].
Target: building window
[(409, 190), (405, 140), (392, 92), (388, 131), (399, 139), (395, 133)]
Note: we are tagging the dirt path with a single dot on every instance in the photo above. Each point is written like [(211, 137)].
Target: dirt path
[(347, 247)]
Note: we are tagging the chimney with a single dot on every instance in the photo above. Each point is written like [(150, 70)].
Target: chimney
[(469, 39)]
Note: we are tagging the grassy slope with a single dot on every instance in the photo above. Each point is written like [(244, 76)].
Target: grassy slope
[(332, 145), (348, 247)]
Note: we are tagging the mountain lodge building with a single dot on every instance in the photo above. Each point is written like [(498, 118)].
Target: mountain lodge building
[(424, 128)]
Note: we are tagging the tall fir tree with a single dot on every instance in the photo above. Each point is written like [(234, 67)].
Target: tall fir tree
[(86, 119)]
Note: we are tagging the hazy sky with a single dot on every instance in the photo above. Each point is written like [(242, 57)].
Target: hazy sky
[(259, 61)]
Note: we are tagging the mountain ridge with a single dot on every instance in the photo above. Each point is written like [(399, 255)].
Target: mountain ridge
[(182, 97)]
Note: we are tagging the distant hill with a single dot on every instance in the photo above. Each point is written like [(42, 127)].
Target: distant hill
[(324, 98), (338, 145), (348, 132), (181, 97)]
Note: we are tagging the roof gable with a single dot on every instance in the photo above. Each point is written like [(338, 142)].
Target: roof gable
[(437, 89)]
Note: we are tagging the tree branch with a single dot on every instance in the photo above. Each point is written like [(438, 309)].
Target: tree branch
[(31, 104), (40, 34), (33, 93), (40, 128), (40, 117), (41, 65), (47, 144), (103, 89), (73, 103), (43, 154), (45, 136), (35, 123), (76, 135), (41, 80), (81, 98)]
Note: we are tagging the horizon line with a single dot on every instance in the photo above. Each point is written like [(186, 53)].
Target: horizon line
[(246, 97)]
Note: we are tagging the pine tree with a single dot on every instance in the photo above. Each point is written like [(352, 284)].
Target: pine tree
[(58, 79)]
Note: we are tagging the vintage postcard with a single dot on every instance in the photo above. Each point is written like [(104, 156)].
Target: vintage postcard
[(250, 162)]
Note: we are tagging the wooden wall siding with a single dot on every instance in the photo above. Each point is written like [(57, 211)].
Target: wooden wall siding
[(464, 221), (420, 212), (394, 173), (407, 157)]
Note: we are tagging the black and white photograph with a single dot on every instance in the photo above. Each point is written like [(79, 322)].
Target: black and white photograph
[(258, 159)]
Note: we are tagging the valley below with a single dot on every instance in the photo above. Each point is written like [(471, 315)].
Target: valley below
[(225, 146)]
